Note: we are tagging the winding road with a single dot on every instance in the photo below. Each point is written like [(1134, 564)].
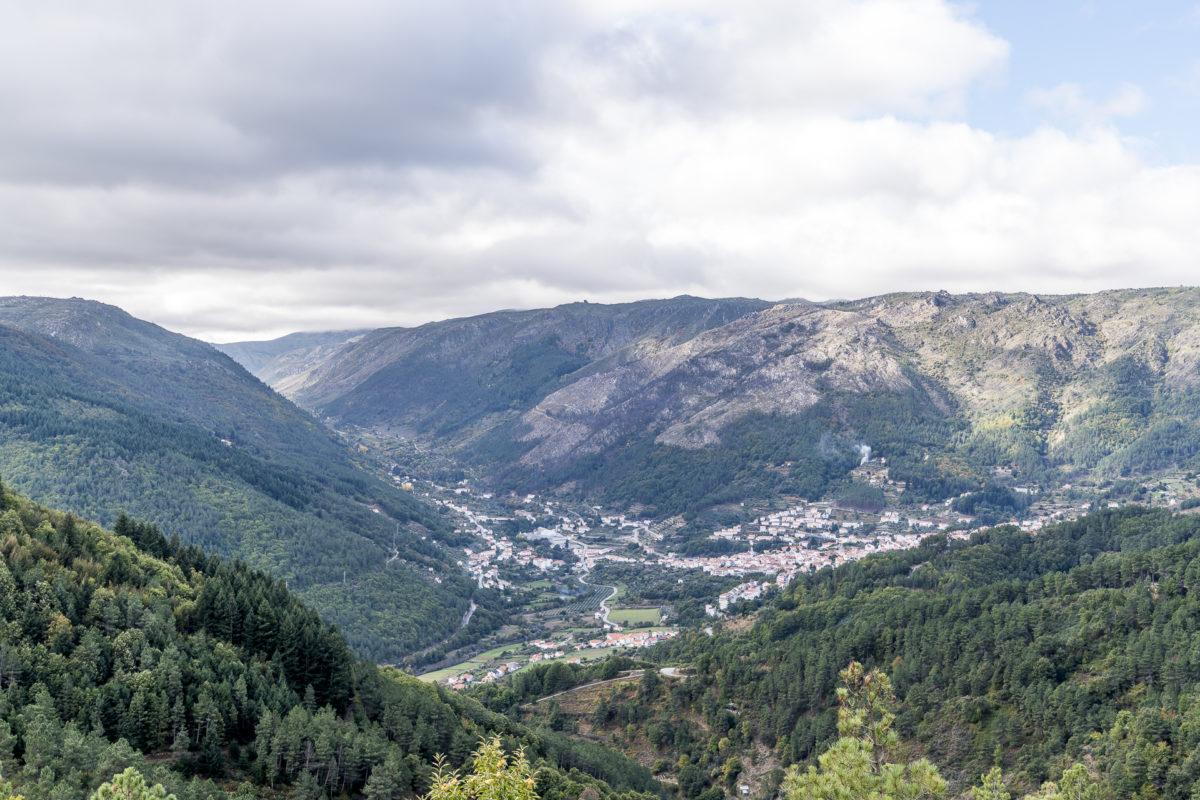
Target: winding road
[(603, 603)]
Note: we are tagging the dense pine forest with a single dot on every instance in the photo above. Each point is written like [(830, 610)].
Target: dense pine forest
[(126, 649), (1027, 653)]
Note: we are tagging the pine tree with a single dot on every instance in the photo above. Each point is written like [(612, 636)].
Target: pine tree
[(1075, 784), (992, 787), (494, 776), (130, 785), (857, 764)]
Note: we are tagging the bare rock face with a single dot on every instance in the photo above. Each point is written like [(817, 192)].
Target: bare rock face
[(776, 361)]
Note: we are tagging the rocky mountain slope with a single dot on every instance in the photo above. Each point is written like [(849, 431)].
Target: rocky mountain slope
[(286, 361), (687, 396), (449, 376), (101, 412)]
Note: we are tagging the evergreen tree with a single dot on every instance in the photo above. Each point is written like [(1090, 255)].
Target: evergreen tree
[(494, 776), (992, 787), (130, 785), (857, 765)]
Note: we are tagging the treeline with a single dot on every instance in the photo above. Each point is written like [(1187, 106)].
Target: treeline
[(130, 649), (1082, 643), (992, 504)]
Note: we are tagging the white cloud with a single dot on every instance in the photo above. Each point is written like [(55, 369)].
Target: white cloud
[(837, 56), (248, 170), (1068, 101)]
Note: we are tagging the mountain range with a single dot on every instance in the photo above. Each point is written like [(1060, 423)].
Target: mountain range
[(670, 406), (679, 405)]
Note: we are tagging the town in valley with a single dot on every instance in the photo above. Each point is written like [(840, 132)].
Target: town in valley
[(569, 563)]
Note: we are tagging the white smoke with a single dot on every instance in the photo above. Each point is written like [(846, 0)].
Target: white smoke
[(865, 451)]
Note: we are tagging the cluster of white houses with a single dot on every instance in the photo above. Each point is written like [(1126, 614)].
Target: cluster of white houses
[(797, 558), (482, 564), (821, 519), (745, 591), (788, 563), (469, 678), (611, 639)]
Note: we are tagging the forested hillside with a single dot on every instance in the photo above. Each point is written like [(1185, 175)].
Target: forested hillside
[(453, 377), (126, 648), (100, 412), (1025, 652)]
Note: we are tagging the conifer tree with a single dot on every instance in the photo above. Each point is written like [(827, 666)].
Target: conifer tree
[(130, 785), (494, 776), (857, 765)]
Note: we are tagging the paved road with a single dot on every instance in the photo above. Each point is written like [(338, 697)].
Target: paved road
[(603, 603), (637, 673)]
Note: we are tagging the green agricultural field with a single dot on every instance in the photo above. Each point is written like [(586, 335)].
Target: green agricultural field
[(497, 652), (636, 616), (581, 634)]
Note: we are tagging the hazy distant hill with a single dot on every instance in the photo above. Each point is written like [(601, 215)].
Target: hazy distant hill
[(684, 403), (101, 412), (450, 377), (286, 361)]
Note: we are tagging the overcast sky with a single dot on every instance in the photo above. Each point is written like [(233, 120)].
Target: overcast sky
[(237, 170)]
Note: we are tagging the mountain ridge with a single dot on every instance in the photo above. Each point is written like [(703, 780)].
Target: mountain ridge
[(1045, 386), (102, 413)]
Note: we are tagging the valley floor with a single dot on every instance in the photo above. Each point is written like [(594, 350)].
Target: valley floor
[(545, 556)]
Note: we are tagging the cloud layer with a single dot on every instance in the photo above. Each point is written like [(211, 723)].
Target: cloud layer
[(238, 170)]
